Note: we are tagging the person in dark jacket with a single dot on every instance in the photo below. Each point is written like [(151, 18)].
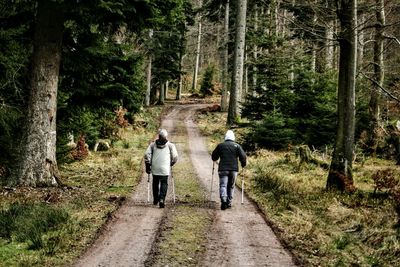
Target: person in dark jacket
[(228, 153)]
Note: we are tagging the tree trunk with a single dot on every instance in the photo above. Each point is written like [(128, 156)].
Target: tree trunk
[(237, 74), (161, 97), (180, 79), (313, 57), (166, 90), (379, 75), (361, 37), (340, 174), (329, 45), (255, 52), (225, 70), (148, 76), (38, 165), (196, 66)]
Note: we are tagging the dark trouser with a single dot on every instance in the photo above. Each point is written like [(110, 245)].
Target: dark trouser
[(160, 187), (227, 185)]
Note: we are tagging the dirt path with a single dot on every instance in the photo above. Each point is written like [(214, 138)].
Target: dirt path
[(239, 236)]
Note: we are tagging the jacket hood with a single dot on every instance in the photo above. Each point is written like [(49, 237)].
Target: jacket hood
[(230, 135)]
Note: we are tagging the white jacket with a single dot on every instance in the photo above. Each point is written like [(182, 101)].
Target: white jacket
[(161, 158)]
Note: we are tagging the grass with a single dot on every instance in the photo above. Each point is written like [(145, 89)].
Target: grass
[(320, 228), (93, 189), (182, 241)]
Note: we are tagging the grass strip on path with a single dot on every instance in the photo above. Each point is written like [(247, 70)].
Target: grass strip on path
[(181, 241)]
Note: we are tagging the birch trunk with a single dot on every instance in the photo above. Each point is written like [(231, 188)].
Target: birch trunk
[(38, 165)]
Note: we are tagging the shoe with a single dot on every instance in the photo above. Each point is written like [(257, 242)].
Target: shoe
[(155, 201), (229, 205), (162, 205), (224, 205)]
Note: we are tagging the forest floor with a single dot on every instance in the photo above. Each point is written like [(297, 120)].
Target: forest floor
[(193, 231)]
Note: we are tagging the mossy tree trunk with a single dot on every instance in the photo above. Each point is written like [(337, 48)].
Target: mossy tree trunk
[(38, 165)]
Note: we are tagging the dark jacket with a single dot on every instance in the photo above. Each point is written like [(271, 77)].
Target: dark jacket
[(228, 152)]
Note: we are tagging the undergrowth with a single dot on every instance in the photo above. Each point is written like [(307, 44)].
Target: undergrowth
[(52, 226), (322, 228)]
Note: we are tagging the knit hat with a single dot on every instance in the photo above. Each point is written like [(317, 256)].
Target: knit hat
[(162, 133), (230, 135)]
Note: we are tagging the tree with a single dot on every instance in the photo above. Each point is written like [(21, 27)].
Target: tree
[(340, 173), (148, 75), (238, 63), (225, 59), (38, 164), (374, 103), (198, 46)]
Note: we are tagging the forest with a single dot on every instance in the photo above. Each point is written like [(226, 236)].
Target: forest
[(310, 87)]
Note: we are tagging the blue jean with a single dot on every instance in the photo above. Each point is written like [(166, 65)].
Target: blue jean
[(160, 187), (226, 185)]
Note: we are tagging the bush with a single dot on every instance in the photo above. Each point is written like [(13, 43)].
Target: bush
[(275, 132)]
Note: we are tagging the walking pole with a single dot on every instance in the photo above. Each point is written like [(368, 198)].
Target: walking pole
[(212, 181), (148, 188), (173, 186), (242, 186)]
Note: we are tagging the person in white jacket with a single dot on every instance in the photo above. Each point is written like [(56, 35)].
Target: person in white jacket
[(159, 158)]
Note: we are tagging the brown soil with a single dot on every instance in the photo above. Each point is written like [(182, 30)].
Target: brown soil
[(239, 236)]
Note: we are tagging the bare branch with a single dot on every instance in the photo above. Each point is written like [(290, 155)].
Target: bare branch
[(381, 87), (393, 38)]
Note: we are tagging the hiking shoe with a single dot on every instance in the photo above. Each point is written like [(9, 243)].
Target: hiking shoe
[(162, 205), (224, 205), (155, 201)]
